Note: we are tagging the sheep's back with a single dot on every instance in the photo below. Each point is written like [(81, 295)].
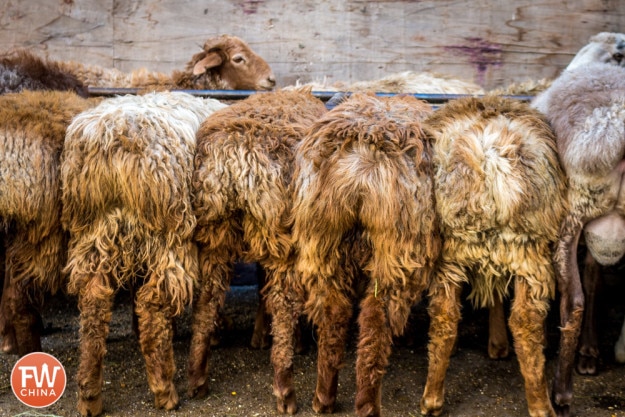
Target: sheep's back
[(496, 169), (32, 129), (245, 152), (586, 107), (367, 165), (133, 153)]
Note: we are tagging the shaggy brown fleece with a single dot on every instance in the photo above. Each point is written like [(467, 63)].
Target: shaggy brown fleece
[(32, 130), (363, 218), (500, 199), (23, 70), (126, 175), (243, 170)]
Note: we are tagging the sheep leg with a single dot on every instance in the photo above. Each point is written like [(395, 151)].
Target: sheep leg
[(374, 349), (95, 302), (619, 346), (285, 313), (527, 324), (444, 312), (20, 322), (7, 331), (588, 349), (571, 312), (261, 336), (498, 345), (332, 327), (216, 274), (156, 341)]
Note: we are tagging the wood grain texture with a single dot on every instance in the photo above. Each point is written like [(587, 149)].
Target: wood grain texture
[(491, 42)]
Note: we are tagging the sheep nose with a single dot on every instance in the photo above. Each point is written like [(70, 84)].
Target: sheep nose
[(271, 80)]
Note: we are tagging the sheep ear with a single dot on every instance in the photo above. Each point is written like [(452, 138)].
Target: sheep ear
[(211, 60)]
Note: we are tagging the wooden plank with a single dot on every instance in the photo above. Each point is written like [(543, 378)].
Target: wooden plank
[(491, 42)]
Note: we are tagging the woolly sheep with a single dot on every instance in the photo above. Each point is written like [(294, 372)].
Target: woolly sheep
[(404, 82), (226, 62), (241, 182), (22, 70), (126, 193), (32, 130), (499, 193), (586, 107), (363, 217)]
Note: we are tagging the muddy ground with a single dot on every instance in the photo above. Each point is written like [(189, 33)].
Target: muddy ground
[(241, 384)]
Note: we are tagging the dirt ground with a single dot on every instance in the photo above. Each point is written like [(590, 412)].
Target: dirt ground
[(241, 382)]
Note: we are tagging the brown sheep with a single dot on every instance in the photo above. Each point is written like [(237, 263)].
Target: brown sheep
[(586, 107), (243, 170), (500, 198), (32, 126), (126, 193), (226, 62), (22, 70), (363, 217)]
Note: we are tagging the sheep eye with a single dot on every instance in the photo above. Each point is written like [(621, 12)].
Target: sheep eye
[(618, 57), (238, 59)]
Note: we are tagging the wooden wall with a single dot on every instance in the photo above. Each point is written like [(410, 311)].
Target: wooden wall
[(491, 42)]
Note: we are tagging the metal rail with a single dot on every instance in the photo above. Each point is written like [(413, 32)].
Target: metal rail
[(331, 98)]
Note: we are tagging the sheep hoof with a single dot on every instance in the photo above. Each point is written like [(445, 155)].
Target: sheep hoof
[(587, 360), (367, 410), (563, 411), (260, 340), (321, 408), (498, 351), (199, 391), (90, 407), (9, 346), (586, 365), (287, 405), (431, 409), (167, 400)]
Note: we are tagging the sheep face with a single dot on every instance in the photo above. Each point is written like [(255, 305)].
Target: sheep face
[(234, 62), (604, 47)]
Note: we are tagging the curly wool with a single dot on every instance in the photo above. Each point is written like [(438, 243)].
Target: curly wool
[(243, 169), (126, 176), (499, 193), (32, 126), (364, 167)]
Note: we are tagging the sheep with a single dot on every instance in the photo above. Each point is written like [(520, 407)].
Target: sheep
[(403, 82), (605, 47), (22, 70), (243, 170), (362, 217), (32, 126), (500, 197), (586, 107), (126, 193), (226, 62)]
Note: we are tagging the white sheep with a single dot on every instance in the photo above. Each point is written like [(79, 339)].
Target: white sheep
[(409, 82), (499, 192), (126, 192)]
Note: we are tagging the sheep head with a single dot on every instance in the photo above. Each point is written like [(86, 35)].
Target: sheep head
[(234, 63), (605, 47)]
